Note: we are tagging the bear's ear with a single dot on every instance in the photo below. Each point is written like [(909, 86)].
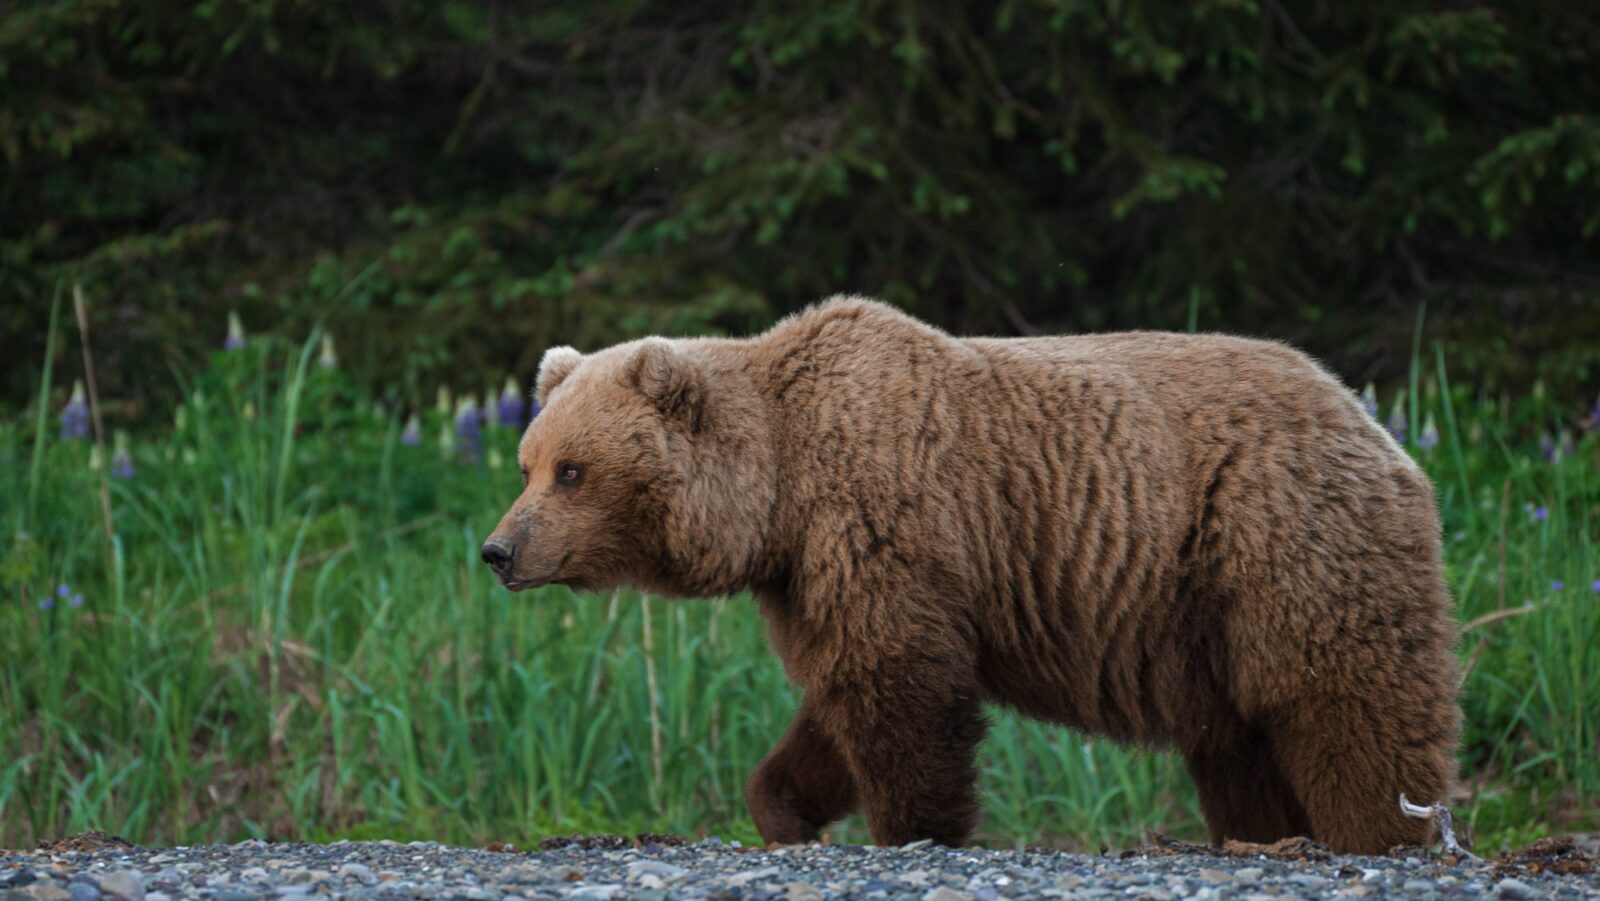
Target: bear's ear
[(557, 364), (670, 381)]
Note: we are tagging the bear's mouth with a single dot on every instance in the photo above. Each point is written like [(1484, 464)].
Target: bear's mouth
[(549, 578)]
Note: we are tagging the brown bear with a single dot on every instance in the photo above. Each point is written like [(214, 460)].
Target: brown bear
[(1188, 541)]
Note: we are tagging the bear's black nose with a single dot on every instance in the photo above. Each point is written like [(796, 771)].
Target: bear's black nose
[(497, 553)]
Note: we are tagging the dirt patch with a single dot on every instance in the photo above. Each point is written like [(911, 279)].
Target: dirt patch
[(610, 842), (93, 840), (1560, 855)]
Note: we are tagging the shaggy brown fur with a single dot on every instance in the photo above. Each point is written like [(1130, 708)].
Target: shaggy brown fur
[(1197, 542)]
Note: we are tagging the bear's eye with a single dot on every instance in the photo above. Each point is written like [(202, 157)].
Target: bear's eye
[(568, 473)]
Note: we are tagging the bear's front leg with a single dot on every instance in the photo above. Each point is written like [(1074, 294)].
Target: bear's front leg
[(909, 733), (801, 787)]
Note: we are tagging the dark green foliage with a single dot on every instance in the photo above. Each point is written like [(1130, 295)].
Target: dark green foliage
[(451, 186)]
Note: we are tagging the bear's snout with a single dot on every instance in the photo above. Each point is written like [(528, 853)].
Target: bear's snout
[(499, 553)]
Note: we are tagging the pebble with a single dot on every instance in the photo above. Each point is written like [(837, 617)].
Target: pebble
[(657, 868), (359, 872), (1249, 874), (127, 883), (83, 891), (1514, 889), (599, 892)]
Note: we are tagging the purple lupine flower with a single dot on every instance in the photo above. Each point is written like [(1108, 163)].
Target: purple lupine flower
[(1540, 514), (235, 339), (1369, 400), (1429, 439), (1398, 426), (1557, 585), (509, 410), (77, 600), (75, 416), (47, 604), (63, 590), (1595, 587), (469, 429), (1564, 446), (411, 436), (121, 460)]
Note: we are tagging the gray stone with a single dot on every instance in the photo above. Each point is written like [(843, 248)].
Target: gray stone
[(1515, 889), (917, 845), (658, 868), (750, 876), (44, 890), (254, 874), (944, 893), (303, 876), (127, 883), (1309, 879), (802, 891), (652, 894), (359, 872), (1419, 885), (83, 891), (1248, 874), (597, 892)]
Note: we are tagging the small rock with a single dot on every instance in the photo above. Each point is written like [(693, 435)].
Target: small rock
[(750, 876), (43, 890), (945, 893), (802, 891), (254, 874), (1248, 874), (359, 872), (127, 883), (1215, 877), (596, 892), (1419, 885), (1309, 879), (657, 868), (232, 895), (1354, 891), (157, 896), (917, 845), (650, 894), (915, 877), (83, 891), (1514, 888)]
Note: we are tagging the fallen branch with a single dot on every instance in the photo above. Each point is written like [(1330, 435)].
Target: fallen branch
[(1441, 815)]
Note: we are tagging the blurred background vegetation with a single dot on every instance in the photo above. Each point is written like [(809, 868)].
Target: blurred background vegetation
[(448, 187)]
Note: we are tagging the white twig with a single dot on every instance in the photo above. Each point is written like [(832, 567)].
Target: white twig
[(1441, 815)]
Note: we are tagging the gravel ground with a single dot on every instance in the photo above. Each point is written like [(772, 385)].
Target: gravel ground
[(94, 867)]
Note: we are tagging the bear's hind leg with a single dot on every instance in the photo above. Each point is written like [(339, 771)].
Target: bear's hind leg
[(801, 786), (1349, 761), (1243, 793)]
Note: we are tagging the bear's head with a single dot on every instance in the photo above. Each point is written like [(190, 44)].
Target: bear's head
[(649, 465)]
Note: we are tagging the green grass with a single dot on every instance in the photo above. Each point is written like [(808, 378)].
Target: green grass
[(287, 633)]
